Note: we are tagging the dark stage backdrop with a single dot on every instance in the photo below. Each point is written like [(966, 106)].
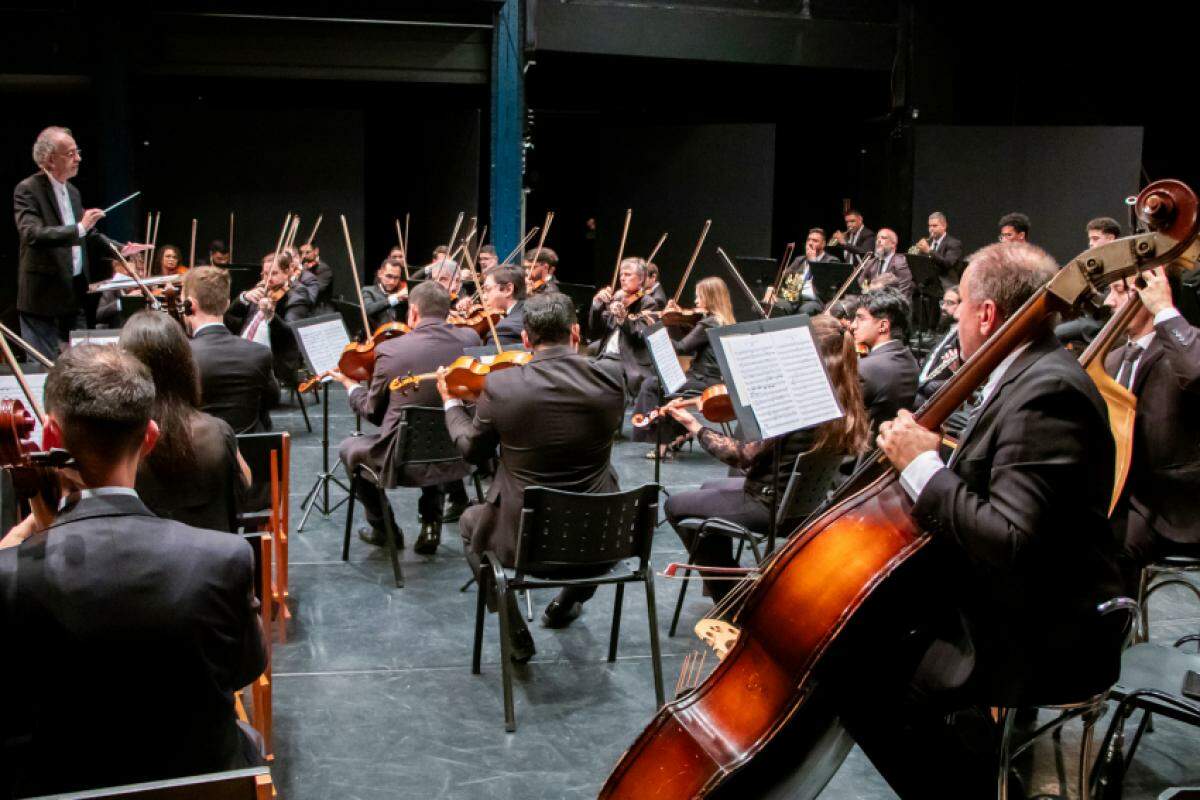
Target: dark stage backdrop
[(1060, 176), (673, 177)]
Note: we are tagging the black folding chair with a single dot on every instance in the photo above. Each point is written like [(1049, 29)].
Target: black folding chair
[(421, 438), (566, 532), (807, 487)]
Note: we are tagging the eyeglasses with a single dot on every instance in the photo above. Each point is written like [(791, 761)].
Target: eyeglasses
[(949, 303)]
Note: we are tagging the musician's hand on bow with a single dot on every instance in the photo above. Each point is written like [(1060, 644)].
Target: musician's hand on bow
[(442, 386), (902, 439), (1156, 294), (618, 310), (603, 297), (671, 306), (252, 296), (20, 532), (343, 380), (683, 416)]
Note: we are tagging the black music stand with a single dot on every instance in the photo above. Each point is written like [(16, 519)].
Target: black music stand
[(317, 363), (828, 277), (926, 275), (670, 379)]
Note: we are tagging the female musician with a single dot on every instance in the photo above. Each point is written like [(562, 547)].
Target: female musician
[(712, 300), (194, 474), (167, 260), (746, 500)]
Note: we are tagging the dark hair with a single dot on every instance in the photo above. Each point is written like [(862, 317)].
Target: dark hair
[(1017, 221), (548, 318), (441, 249), (852, 212), (208, 288), (218, 246), (491, 249), (887, 303), (547, 257), (652, 269), (103, 398), (392, 262), (811, 231), (512, 274), (157, 341), (1105, 225), (156, 267), (849, 434), (844, 308), (430, 299), (285, 259)]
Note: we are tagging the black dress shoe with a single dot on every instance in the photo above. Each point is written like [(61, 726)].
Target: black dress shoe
[(520, 647), (379, 538), (557, 615), (429, 539), (454, 511)]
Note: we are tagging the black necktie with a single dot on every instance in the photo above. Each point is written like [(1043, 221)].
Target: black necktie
[(1125, 373)]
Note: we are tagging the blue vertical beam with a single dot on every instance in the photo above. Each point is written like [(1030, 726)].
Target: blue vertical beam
[(508, 115)]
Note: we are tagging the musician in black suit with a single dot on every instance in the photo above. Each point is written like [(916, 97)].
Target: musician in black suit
[(945, 251), (859, 237), (386, 300), (55, 231), (796, 293), (553, 420), (256, 317), (888, 371), (1158, 513), (504, 290), (542, 270), (432, 343), (310, 258), (237, 380), (107, 603), (888, 268), (622, 327), (654, 287), (1021, 551)]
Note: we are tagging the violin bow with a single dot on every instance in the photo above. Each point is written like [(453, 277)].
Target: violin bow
[(661, 241), (192, 249), (26, 346), (362, 305), (316, 227), (521, 245), (621, 250), (783, 263), (403, 249), (854, 275), (687, 273), (542, 239), (153, 244), (453, 235), (742, 283), (404, 244), (19, 374), (479, 288), (287, 223), (230, 242)]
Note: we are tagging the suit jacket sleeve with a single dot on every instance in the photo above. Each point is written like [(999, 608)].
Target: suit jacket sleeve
[(638, 325), (302, 297), (371, 403), (374, 301), (1040, 443), (950, 256), (904, 278), (246, 653), (269, 383), (1181, 350), (475, 436), (33, 229), (695, 341)]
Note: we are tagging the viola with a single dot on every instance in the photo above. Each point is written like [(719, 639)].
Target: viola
[(465, 377), (34, 470), (358, 358), (714, 403), (864, 539), (476, 318)]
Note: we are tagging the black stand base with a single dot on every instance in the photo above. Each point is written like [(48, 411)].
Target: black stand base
[(318, 496)]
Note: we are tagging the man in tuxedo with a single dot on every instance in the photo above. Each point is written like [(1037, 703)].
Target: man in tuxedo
[(1158, 513), (54, 270), (387, 298), (542, 269), (310, 259), (432, 343), (796, 292), (622, 328), (888, 371), (104, 603), (654, 287), (888, 268), (258, 318), (237, 382), (504, 290), (1021, 555), (945, 251), (577, 404), (859, 237)]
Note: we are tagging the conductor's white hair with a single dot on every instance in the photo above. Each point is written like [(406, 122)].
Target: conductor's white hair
[(43, 146)]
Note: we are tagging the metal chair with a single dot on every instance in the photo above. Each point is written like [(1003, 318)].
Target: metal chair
[(1151, 681), (421, 438), (807, 487), (1166, 571), (1088, 711), (570, 532)]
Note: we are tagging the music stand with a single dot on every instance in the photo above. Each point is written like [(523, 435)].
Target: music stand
[(828, 277), (321, 340), (670, 379), (351, 315), (90, 336), (926, 273)]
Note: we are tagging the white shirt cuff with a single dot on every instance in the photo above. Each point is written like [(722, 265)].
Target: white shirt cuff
[(919, 471), (393, 300), (453, 402), (353, 389), (82, 231), (1167, 313)]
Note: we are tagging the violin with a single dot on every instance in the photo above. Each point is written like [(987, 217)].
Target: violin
[(629, 299), (535, 286), (862, 541), (466, 375), (714, 403), (34, 470), (681, 318), (476, 318), (358, 358)]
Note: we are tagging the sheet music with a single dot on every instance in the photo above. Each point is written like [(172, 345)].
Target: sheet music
[(10, 389), (323, 343), (663, 353), (94, 337), (779, 375)]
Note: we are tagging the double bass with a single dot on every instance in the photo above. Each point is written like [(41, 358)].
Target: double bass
[(810, 590)]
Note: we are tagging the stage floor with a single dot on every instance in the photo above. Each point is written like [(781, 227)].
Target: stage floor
[(374, 696)]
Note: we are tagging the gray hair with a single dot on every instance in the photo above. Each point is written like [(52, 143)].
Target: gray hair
[(1008, 274), (447, 267), (636, 263), (43, 146), (940, 216)]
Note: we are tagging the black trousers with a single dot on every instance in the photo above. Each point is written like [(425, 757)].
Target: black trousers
[(429, 505), (725, 498)]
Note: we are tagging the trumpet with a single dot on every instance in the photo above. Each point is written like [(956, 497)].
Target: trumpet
[(915, 250)]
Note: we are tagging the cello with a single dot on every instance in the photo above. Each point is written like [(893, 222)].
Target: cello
[(815, 586)]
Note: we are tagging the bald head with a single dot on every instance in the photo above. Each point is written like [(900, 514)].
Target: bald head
[(999, 279)]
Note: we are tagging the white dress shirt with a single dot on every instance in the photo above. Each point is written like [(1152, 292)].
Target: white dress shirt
[(68, 218)]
